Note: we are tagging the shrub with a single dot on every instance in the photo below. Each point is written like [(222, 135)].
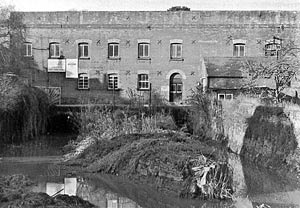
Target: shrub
[(105, 123), (23, 110), (206, 115)]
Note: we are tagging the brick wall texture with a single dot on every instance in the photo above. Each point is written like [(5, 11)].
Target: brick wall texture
[(203, 34)]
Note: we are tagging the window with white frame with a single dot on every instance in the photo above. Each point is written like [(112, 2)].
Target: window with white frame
[(27, 49), (113, 50), (83, 50), (83, 81), (176, 51), (113, 81), (225, 96), (54, 50), (239, 49), (143, 50), (143, 82)]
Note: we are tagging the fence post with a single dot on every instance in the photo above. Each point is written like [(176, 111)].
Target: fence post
[(113, 95), (150, 97)]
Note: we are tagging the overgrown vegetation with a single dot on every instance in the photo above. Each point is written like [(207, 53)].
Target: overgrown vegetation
[(269, 137), (150, 148), (23, 110), (206, 115), (281, 69), (105, 123), (171, 162)]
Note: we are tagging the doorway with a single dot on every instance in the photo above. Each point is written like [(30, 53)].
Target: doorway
[(175, 88)]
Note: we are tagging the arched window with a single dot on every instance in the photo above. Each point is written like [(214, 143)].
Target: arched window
[(175, 87), (83, 81)]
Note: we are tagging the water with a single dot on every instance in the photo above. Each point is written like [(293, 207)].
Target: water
[(48, 145), (253, 186)]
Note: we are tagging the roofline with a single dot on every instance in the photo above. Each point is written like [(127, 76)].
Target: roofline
[(62, 11), (238, 77)]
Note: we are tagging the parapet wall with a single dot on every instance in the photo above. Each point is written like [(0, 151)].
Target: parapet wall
[(163, 17)]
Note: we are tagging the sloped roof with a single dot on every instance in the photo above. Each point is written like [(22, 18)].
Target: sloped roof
[(225, 83), (224, 67)]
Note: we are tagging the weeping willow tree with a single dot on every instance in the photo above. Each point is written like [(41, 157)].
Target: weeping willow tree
[(23, 110)]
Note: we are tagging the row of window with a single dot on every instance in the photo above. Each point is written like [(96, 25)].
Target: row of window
[(239, 50), (143, 84), (225, 96), (113, 82), (113, 50)]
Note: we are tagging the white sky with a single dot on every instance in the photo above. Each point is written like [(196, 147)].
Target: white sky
[(151, 5)]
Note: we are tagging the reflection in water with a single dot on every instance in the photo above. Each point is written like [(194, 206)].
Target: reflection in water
[(79, 186), (53, 189), (69, 187), (253, 186)]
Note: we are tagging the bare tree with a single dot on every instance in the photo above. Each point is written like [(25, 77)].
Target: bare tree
[(12, 32), (281, 68)]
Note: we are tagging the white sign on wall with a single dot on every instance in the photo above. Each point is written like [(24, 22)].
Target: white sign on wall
[(164, 92), (72, 68), (56, 65)]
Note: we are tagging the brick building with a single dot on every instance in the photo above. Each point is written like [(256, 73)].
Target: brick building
[(95, 56)]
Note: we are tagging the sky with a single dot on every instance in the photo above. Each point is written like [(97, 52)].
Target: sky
[(150, 5)]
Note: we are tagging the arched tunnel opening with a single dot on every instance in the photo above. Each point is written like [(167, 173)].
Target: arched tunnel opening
[(63, 123)]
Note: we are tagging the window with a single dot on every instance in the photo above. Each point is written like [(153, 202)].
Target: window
[(176, 51), (112, 203), (143, 50), (239, 49), (225, 96), (54, 50), (272, 47), (113, 81), (176, 88), (143, 82), (83, 50), (83, 82), (27, 49), (113, 50)]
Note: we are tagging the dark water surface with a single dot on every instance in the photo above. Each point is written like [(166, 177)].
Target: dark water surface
[(48, 145), (253, 186)]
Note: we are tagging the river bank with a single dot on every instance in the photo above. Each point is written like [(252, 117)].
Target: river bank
[(171, 162), (16, 191), (253, 186)]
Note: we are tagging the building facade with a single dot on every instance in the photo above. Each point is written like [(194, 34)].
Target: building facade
[(98, 57)]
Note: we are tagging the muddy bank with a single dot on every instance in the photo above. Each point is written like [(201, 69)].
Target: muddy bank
[(171, 162), (15, 191)]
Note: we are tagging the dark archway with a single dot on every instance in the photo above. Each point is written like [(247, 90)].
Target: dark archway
[(175, 88)]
